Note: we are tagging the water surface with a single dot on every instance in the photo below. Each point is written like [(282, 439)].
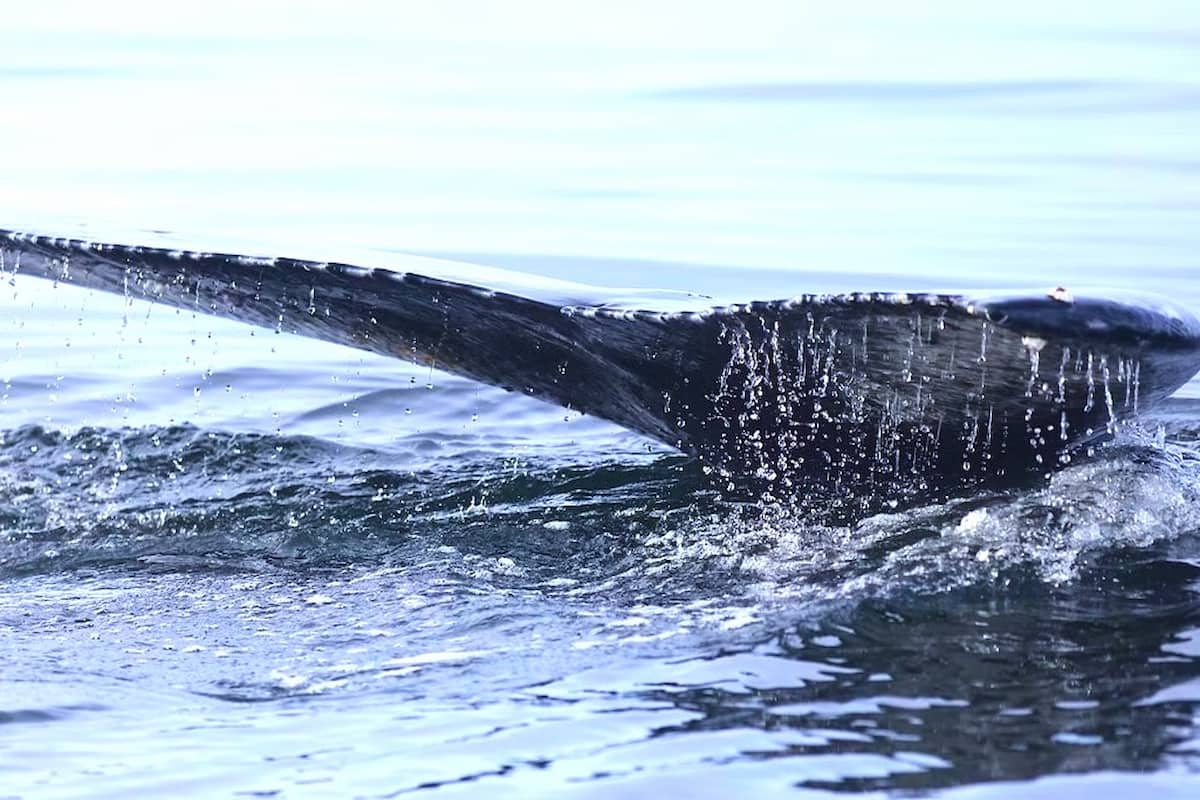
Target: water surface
[(237, 563)]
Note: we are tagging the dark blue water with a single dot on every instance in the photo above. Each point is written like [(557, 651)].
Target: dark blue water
[(236, 563)]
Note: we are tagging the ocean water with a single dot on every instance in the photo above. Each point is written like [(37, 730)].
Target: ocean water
[(238, 563)]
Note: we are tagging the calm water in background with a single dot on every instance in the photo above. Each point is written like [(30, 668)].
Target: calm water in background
[(236, 562)]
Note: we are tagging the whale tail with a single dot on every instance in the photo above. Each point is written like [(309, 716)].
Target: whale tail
[(874, 398)]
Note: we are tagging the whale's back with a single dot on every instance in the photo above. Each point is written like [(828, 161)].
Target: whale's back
[(866, 396)]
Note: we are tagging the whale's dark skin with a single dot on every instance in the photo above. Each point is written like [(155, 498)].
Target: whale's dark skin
[(882, 398)]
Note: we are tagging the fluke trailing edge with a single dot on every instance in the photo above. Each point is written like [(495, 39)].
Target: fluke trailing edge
[(877, 397)]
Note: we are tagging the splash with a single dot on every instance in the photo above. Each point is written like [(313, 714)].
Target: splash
[(893, 407), (1134, 493)]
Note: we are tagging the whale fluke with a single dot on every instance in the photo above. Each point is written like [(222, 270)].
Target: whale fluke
[(871, 397)]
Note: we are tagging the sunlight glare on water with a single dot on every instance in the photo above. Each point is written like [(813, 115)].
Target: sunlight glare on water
[(236, 561)]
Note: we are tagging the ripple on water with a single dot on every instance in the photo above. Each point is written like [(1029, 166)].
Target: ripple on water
[(604, 626)]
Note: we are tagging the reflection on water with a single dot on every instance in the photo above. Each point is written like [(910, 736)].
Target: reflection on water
[(610, 625), (233, 562)]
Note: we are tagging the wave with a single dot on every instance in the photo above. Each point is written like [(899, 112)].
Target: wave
[(184, 498)]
